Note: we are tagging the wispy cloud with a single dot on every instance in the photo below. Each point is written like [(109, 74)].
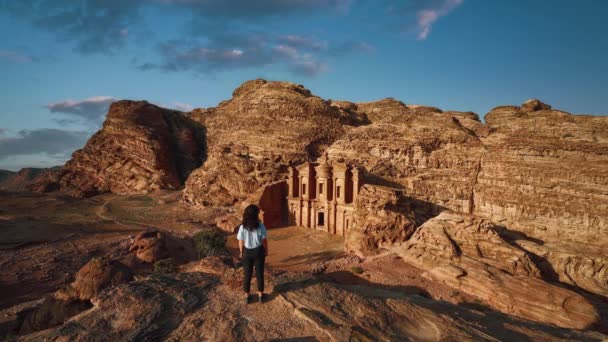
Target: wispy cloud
[(90, 111), (184, 107), (48, 141), (426, 17), (229, 51), (16, 57), (215, 35), (105, 26)]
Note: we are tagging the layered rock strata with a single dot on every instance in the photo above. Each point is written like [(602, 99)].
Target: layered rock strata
[(140, 148), (466, 253), (254, 136), (545, 172)]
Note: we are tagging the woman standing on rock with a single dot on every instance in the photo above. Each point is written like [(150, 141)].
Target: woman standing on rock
[(254, 249)]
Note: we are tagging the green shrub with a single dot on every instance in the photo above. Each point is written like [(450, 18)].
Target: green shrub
[(209, 242), (357, 270), (165, 266)]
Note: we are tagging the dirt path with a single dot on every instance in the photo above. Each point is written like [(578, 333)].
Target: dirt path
[(102, 211)]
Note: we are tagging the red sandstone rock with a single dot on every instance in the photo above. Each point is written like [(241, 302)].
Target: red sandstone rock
[(254, 136), (140, 148), (383, 218), (153, 245), (98, 274), (468, 254)]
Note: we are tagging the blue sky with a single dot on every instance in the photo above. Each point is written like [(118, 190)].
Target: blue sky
[(63, 61)]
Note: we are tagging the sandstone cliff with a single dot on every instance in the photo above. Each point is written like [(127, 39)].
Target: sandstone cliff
[(140, 148), (545, 172), (254, 136), (537, 170)]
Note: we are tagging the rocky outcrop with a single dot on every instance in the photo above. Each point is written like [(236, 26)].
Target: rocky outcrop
[(201, 306), (584, 267), (153, 245), (5, 174), (96, 275), (140, 148), (254, 136), (141, 310), (467, 253), (383, 219)]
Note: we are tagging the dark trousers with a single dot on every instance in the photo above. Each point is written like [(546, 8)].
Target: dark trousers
[(253, 257)]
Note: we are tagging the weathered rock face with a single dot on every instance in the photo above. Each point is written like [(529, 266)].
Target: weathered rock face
[(140, 148), (254, 136), (545, 172), (585, 267), (530, 168), (383, 218), (467, 254), (434, 156)]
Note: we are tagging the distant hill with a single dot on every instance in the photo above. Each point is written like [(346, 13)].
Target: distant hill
[(5, 174), (21, 180)]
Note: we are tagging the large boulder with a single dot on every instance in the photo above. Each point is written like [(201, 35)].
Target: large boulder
[(583, 266), (153, 245), (91, 279), (140, 148), (98, 274)]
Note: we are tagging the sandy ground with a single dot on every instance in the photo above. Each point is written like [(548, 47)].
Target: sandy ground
[(297, 248)]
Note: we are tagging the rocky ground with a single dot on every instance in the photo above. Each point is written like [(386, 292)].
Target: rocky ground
[(316, 291)]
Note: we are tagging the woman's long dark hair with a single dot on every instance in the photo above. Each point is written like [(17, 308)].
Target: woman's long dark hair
[(251, 221)]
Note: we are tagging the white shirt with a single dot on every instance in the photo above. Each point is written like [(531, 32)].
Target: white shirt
[(252, 238)]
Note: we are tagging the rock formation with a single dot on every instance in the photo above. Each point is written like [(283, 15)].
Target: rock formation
[(545, 173), (153, 245), (383, 219), (523, 167), (432, 155), (5, 174), (98, 274), (254, 136), (201, 306), (466, 253), (93, 277), (140, 148)]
